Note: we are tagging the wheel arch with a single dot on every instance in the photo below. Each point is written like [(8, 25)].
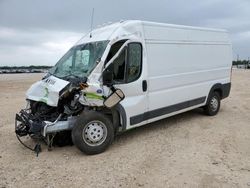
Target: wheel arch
[(218, 87), (117, 115)]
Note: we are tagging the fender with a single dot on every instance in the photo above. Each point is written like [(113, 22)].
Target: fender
[(223, 89), (122, 114)]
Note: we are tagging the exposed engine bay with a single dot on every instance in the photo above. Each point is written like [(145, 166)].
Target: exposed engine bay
[(52, 108)]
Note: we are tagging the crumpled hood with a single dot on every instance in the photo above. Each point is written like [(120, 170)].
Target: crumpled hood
[(47, 90)]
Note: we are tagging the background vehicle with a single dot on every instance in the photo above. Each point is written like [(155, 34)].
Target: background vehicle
[(126, 75)]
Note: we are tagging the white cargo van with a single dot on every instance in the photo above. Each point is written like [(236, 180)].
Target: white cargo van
[(126, 75)]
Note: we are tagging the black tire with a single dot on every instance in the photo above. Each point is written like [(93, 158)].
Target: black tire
[(210, 109), (82, 129)]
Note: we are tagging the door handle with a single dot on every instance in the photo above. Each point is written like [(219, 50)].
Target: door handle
[(144, 85)]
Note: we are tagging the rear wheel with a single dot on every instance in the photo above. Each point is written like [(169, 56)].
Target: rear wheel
[(213, 104), (93, 133)]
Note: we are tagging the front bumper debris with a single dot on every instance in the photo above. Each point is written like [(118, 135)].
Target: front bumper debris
[(44, 130), (25, 126)]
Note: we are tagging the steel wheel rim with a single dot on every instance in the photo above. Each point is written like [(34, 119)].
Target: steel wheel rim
[(214, 103), (94, 133)]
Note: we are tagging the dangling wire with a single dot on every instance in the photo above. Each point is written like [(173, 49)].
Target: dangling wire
[(18, 138)]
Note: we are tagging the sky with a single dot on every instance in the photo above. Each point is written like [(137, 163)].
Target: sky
[(35, 32)]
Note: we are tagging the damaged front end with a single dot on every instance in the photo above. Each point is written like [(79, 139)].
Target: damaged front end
[(75, 84), (28, 124), (45, 122), (40, 125)]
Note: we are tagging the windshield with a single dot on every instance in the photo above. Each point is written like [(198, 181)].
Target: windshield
[(80, 60)]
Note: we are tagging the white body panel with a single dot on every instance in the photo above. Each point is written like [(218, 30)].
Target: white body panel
[(180, 64), (47, 90), (184, 63)]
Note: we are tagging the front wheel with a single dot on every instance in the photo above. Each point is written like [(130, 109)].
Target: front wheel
[(92, 133), (213, 104)]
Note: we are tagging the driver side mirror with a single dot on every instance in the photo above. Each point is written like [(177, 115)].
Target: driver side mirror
[(116, 97)]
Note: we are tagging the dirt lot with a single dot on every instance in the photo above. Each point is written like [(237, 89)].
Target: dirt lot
[(188, 150)]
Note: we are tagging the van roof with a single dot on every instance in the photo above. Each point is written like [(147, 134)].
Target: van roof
[(129, 27), (182, 26)]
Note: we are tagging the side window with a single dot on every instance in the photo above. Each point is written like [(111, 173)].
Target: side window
[(114, 49), (127, 66), (134, 61), (119, 65)]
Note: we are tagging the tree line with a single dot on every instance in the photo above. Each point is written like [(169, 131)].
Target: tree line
[(25, 67), (241, 62)]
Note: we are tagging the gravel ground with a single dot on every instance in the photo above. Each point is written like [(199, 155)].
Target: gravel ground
[(188, 150)]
